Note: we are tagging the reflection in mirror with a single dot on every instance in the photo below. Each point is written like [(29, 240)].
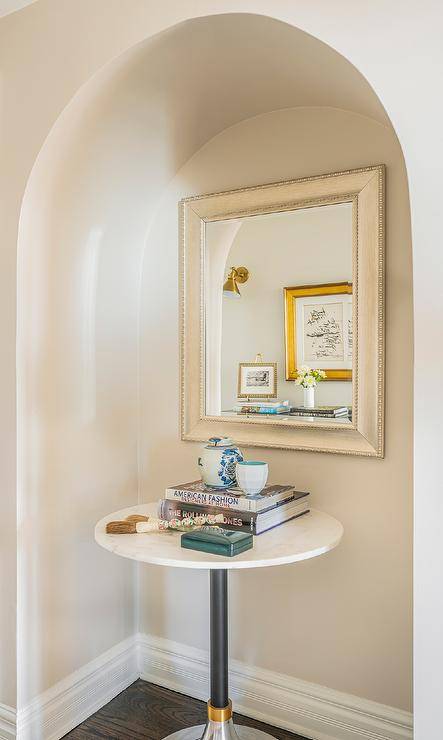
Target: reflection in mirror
[(278, 300)]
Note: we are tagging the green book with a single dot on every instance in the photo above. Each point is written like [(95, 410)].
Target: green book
[(218, 541)]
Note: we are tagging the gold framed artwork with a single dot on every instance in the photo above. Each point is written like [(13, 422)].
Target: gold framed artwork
[(319, 329), (257, 380)]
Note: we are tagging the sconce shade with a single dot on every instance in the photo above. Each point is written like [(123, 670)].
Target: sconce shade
[(230, 288), (236, 275)]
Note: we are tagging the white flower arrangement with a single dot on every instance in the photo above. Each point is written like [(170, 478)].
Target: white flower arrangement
[(308, 377)]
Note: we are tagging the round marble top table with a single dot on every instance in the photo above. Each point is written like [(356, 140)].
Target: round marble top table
[(299, 539), (311, 534)]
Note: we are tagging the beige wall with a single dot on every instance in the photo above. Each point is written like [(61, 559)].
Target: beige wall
[(344, 620), (51, 48), (305, 247), (80, 246)]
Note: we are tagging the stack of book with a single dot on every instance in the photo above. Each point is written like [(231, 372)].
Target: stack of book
[(275, 505), (262, 407), (326, 412)]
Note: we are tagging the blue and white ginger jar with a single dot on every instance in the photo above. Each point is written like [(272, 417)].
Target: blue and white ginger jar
[(217, 462)]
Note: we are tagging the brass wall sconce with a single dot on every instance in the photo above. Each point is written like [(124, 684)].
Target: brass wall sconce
[(236, 275)]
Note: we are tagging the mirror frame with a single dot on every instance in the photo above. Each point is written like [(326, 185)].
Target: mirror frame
[(363, 187)]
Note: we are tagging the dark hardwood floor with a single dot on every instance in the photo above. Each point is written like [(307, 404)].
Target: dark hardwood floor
[(147, 711)]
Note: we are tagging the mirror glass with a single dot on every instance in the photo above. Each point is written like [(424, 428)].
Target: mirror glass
[(278, 306)]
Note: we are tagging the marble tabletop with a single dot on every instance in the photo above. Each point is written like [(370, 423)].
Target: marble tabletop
[(299, 539)]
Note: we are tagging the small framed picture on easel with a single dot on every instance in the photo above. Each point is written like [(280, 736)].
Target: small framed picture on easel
[(257, 379)]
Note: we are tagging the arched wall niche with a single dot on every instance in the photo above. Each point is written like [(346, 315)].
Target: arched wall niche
[(271, 613), (97, 318)]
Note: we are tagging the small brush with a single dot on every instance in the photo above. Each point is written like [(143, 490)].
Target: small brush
[(136, 524), (122, 527)]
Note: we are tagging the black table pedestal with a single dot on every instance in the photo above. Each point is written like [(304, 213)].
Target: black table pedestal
[(219, 725)]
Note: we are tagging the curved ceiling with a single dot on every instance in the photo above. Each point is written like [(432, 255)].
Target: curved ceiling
[(214, 71), (168, 96), (201, 76), (140, 118)]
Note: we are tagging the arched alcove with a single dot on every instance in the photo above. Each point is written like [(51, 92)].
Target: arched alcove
[(212, 103)]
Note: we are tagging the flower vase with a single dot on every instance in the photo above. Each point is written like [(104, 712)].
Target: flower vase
[(309, 398)]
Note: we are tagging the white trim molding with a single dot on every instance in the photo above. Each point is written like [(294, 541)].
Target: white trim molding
[(7, 722), (280, 700), (72, 700), (308, 709)]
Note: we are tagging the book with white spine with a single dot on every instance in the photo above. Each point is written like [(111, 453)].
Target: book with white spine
[(198, 493), (262, 404)]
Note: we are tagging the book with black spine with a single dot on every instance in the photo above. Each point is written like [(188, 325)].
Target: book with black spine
[(246, 521), (324, 411), (198, 493)]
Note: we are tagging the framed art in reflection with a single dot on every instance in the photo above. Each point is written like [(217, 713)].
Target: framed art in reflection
[(257, 380), (319, 329)]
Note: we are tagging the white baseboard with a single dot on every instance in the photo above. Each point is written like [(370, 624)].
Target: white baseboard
[(311, 710), (7, 722), (284, 701), (72, 700)]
